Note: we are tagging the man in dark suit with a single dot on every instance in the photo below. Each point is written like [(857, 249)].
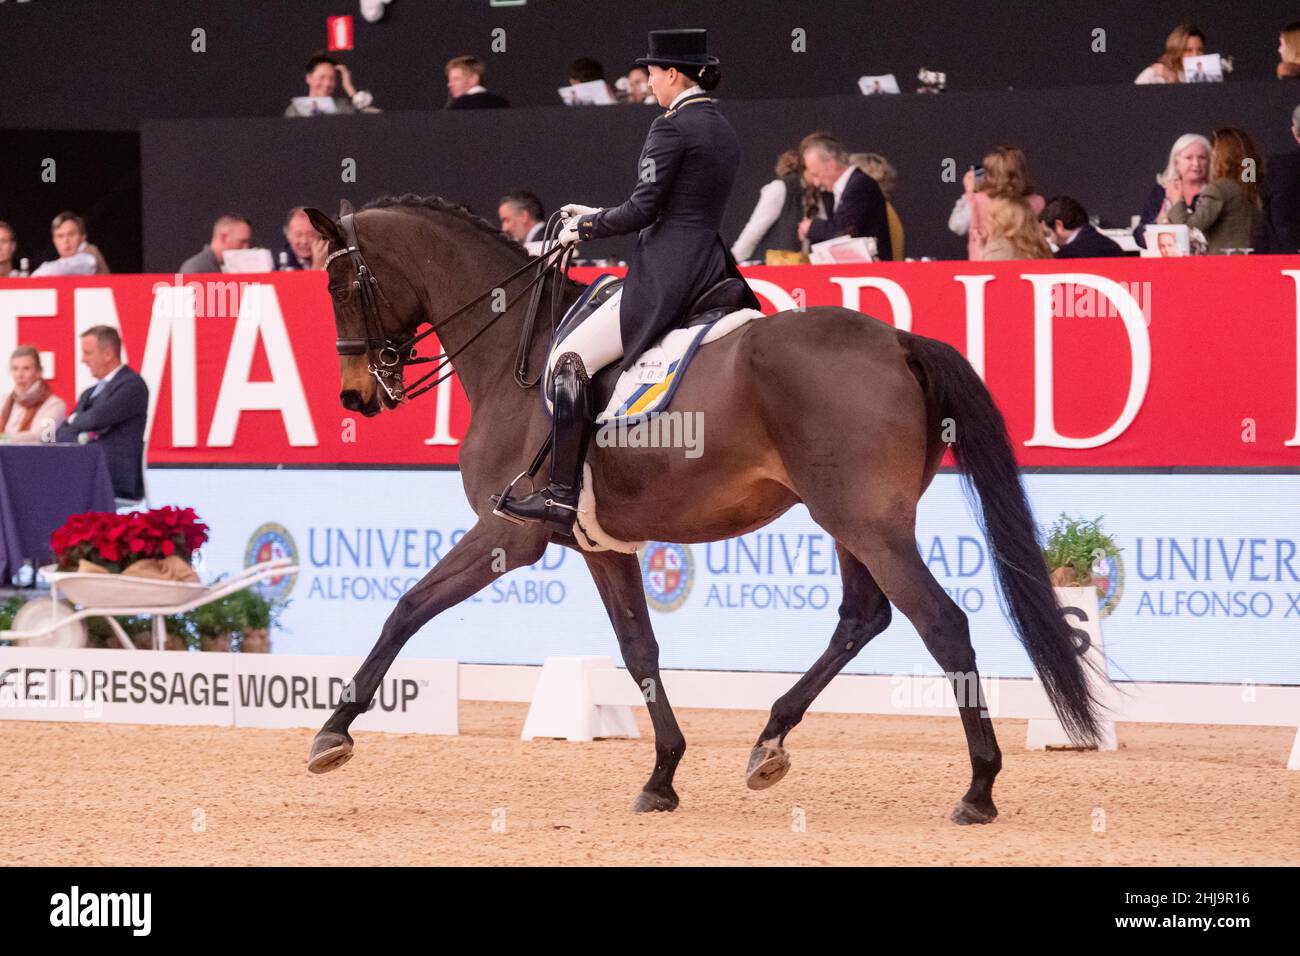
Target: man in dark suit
[(522, 216), (1066, 223), (228, 232), (465, 85), (112, 412), (1279, 193), (857, 204), (303, 246)]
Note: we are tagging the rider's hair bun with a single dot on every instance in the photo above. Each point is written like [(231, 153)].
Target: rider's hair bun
[(710, 77)]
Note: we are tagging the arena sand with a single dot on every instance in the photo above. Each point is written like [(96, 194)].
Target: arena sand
[(862, 790)]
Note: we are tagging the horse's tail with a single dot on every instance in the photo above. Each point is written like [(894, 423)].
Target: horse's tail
[(957, 400)]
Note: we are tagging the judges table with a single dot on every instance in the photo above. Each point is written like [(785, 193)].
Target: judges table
[(40, 486)]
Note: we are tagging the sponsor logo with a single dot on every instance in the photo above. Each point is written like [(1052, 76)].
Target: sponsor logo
[(268, 543), (668, 572)]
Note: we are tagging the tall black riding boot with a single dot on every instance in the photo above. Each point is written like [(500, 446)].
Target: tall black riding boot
[(556, 505)]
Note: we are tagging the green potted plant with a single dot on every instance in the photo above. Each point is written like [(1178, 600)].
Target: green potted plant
[(258, 617), (241, 621), (213, 625), (1075, 552), (139, 629), (8, 608), (1074, 547)]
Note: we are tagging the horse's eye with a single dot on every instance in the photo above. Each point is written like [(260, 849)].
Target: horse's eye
[(337, 293)]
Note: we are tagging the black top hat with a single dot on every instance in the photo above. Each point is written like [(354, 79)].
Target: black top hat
[(678, 48)]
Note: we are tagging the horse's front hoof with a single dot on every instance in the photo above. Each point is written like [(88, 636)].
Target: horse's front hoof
[(647, 802), (329, 751), (766, 767), (966, 814)]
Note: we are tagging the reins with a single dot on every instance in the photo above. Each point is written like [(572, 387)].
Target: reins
[(393, 358)]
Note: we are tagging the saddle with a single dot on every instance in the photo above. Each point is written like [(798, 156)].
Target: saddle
[(716, 302)]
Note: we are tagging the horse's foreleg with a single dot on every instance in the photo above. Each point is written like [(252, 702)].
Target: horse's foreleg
[(618, 578), (864, 613), (487, 551)]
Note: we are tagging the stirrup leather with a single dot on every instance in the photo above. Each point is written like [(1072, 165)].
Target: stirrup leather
[(572, 428)]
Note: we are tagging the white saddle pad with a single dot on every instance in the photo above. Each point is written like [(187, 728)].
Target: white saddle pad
[(648, 386), (645, 388)]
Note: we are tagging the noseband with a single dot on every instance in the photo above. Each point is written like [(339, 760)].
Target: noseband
[(393, 357)]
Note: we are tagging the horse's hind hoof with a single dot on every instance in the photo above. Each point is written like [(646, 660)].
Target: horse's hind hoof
[(766, 767), (967, 813), (647, 802), (329, 751)]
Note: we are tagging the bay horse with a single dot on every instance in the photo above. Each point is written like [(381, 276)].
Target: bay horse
[(823, 406)]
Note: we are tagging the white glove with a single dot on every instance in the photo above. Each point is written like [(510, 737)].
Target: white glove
[(574, 211), (569, 234)]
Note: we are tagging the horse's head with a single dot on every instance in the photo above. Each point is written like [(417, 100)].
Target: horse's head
[(407, 261), (368, 317)]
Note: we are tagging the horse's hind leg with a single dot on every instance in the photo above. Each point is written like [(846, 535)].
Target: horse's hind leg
[(618, 578), (887, 546), (864, 613), (487, 551)]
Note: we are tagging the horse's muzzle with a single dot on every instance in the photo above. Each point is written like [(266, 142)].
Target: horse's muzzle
[(351, 399)]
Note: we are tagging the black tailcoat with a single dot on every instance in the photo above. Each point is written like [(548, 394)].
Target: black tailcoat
[(685, 174)]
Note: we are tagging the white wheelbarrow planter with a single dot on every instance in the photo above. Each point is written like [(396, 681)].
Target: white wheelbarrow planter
[(54, 622)]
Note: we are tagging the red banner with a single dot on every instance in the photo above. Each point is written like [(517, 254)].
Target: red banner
[(1096, 363)]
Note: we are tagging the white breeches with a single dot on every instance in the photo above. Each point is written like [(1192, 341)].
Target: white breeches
[(598, 339)]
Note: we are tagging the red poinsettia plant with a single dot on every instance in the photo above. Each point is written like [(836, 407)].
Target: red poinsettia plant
[(116, 541)]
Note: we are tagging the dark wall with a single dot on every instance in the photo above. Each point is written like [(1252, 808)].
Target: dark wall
[(1102, 145), (96, 175), (107, 64)]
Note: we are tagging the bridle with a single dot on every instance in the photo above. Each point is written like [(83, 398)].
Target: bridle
[(393, 357)]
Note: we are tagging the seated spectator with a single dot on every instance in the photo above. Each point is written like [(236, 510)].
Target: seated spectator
[(465, 76), (303, 248), (1227, 210), (774, 223), (324, 74), (586, 70), (1013, 231), (1184, 41), (636, 86), (1005, 176), (1183, 178), (31, 412), (8, 252), (1066, 223), (1288, 51), (1167, 245), (523, 219), (112, 412), (857, 204), (228, 232), (886, 177), (77, 257), (1279, 196), (815, 202)]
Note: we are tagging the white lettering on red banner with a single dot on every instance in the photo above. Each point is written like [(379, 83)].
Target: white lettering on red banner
[(1116, 363)]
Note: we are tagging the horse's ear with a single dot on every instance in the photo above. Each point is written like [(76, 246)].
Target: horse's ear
[(325, 226)]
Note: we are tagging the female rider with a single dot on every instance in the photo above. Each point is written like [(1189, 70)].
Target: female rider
[(686, 171)]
